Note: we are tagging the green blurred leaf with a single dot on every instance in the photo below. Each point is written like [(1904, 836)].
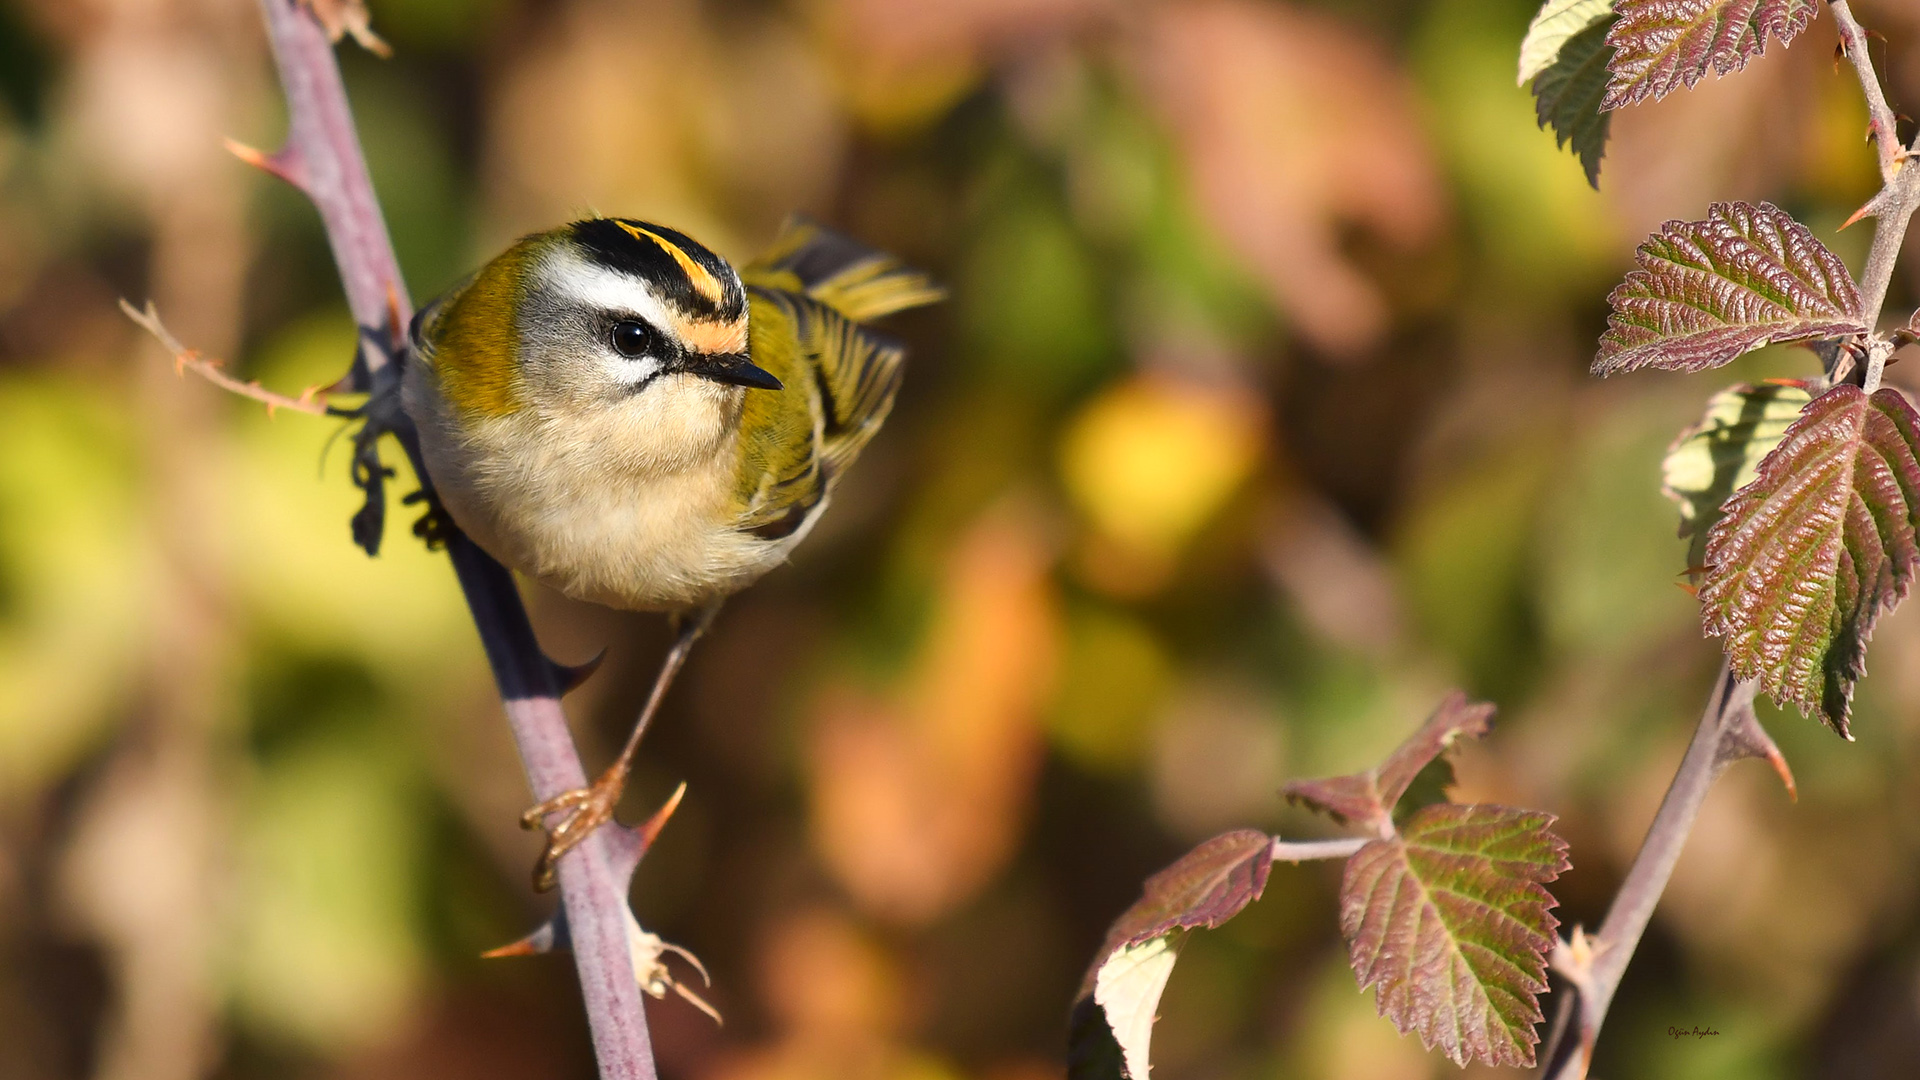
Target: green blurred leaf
[(1709, 291), (1029, 294), (326, 950), (1113, 680), (1449, 922), (1812, 552)]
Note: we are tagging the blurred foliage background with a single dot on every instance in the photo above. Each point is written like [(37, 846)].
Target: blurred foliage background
[(1258, 418)]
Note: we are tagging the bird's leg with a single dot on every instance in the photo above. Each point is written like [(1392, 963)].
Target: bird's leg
[(588, 808)]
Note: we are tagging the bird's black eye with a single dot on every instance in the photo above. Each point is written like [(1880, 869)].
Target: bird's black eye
[(632, 339)]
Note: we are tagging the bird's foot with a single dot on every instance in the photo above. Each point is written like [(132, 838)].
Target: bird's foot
[(586, 809)]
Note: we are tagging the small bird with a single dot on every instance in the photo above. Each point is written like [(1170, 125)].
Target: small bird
[(612, 409)]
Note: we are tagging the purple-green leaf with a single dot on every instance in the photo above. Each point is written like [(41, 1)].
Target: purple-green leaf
[(1662, 45), (1709, 291), (1368, 798), (1450, 923), (1809, 555), (1113, 1014)]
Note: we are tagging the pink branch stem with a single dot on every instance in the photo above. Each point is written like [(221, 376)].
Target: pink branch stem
[(323, 158)]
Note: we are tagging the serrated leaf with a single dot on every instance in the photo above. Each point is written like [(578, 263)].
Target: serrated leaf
[(1203, 888), (1450, 923), (1662, 45), (1810, 554), (1709, 291), (1555, 23), (1721, 454), (1567, 93), (1368, 798)]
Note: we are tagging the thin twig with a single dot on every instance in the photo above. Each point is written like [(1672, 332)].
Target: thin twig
[(1728, 730), (185, 359), (1295, 851), (322, 157)]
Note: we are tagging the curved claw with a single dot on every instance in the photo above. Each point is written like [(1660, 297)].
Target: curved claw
[(586, 809)]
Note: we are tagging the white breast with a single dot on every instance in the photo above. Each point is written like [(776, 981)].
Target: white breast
[(630, 507)]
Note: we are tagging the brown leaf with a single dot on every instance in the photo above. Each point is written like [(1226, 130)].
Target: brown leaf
[(1368, 798), (1114, 1011), (1293, 125)]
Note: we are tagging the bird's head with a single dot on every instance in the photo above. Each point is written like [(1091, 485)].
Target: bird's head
[(606, 313)]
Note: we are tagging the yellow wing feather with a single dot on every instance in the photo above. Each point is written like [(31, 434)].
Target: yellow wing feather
[(807, 297)]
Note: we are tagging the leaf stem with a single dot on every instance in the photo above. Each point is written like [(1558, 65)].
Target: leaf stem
[(1295, 851), (322, 157)]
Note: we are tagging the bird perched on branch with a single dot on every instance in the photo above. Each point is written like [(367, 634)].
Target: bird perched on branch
[(610, 408)]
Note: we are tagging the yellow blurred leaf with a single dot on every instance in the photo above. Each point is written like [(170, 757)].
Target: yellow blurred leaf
[(1154, 458)]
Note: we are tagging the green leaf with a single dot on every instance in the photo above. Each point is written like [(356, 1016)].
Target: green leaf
[(1567, 92), (1368, 798), (1113, 1013), (1450, 923), (1721, 454), (1809, 555), (1557, 22), (1662, 45), (1709, 291)]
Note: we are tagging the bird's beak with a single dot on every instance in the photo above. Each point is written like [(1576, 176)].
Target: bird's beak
[(735, 368)]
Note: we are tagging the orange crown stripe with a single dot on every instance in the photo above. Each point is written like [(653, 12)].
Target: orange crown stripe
[(703, 282)]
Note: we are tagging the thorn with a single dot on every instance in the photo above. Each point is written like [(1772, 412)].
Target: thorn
[(283, 164), (396, 326), (1745, 738), (1872, 207), (649, 829), (570, 676), (550, 935), (1689, 588), (1796, 384)]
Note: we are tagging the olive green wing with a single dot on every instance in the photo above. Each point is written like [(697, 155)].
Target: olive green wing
[(858, 282), (839, 383)]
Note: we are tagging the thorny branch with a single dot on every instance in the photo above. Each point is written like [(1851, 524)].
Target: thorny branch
[(322, 157), (1728, 731), (185, 359)]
